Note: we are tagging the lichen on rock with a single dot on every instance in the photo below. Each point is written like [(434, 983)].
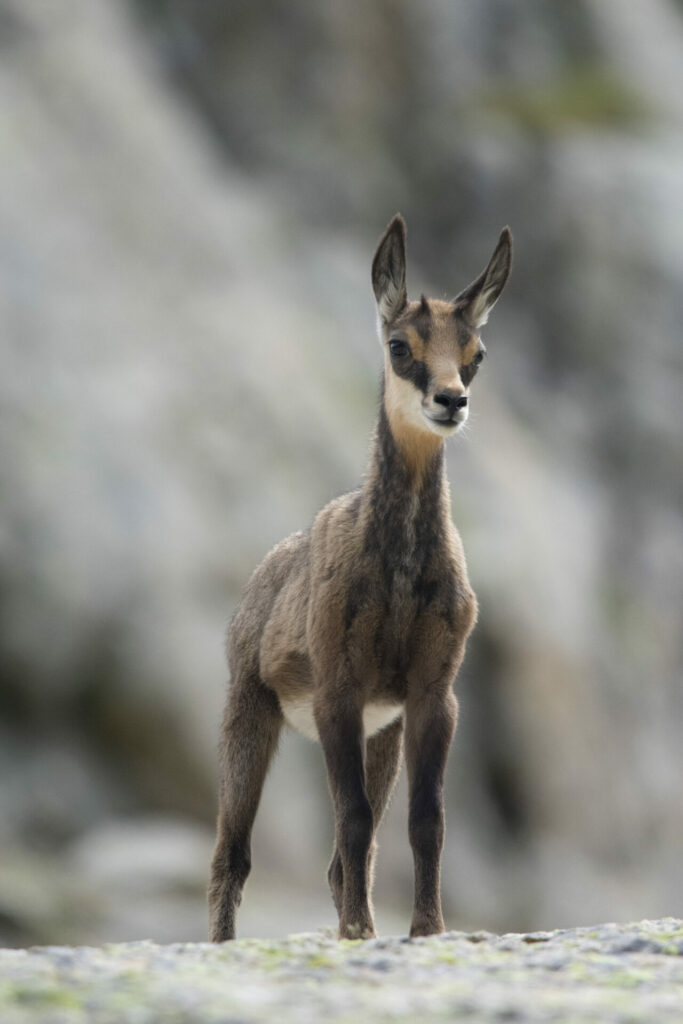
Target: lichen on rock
[(610, 973)]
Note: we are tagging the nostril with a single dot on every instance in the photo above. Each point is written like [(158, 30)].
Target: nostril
[(444, 399), (451, 400)]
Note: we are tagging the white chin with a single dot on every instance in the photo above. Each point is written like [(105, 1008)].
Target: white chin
[(442, 429)]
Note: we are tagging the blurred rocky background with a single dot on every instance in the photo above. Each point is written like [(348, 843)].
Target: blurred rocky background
[(190, 195)]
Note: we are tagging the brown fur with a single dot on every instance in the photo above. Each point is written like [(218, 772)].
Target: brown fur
[(367, 613)]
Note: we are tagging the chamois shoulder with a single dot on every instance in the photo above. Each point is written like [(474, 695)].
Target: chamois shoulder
[(286, 560), (341, 512), (335, 533)]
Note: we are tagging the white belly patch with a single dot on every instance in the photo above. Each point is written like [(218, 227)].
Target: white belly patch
[(299, 714)]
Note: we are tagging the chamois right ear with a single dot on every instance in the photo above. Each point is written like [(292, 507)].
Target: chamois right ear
[(389, 271)]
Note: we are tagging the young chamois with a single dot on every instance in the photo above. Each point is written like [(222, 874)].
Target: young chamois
[(354, 630)]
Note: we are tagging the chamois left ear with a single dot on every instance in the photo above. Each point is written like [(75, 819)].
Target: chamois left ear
[(389, 271), (478, 299)]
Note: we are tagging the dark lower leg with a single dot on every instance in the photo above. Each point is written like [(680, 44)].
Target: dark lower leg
[(251, 726), (382, 763), (341, 736), (428, 738), (229, 871), (335, 879)]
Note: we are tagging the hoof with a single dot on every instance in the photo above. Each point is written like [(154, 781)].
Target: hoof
[(357, 931), (419, 929)]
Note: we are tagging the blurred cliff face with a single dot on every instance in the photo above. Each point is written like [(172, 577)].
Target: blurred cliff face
[(189, 197)]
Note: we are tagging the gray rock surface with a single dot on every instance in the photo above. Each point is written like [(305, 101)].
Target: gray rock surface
[(611, 973)]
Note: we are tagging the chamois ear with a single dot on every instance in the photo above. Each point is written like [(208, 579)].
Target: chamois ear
[(389, 271), (478, 299)]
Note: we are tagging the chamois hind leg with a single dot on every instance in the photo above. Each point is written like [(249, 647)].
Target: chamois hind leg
[(250, 731), (382, 763)]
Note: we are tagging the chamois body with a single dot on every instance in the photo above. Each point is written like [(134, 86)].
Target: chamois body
[(353, 631)]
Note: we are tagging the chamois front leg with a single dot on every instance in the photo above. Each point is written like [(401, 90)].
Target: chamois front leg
[(430, 724), (382, 763), (340, 728)]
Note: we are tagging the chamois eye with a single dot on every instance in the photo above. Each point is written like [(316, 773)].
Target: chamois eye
[(478, 359), (399, 349)]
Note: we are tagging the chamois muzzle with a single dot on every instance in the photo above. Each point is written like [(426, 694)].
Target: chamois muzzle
[(452, 402)]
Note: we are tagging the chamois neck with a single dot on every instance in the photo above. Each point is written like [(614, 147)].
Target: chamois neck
[(403, 463), (406, 503), (410, 457), (418, 450)]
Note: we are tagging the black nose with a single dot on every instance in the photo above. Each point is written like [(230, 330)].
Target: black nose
[(451, 400)]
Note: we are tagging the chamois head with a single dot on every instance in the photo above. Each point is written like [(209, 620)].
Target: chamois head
[(432, 348)]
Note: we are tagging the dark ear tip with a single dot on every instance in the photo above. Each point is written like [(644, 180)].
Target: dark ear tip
[(505, 245), (397, 223)]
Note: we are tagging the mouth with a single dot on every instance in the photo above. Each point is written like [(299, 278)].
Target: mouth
[(445, 427)]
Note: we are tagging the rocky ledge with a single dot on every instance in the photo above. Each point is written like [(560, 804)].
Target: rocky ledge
[(630, 973)]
